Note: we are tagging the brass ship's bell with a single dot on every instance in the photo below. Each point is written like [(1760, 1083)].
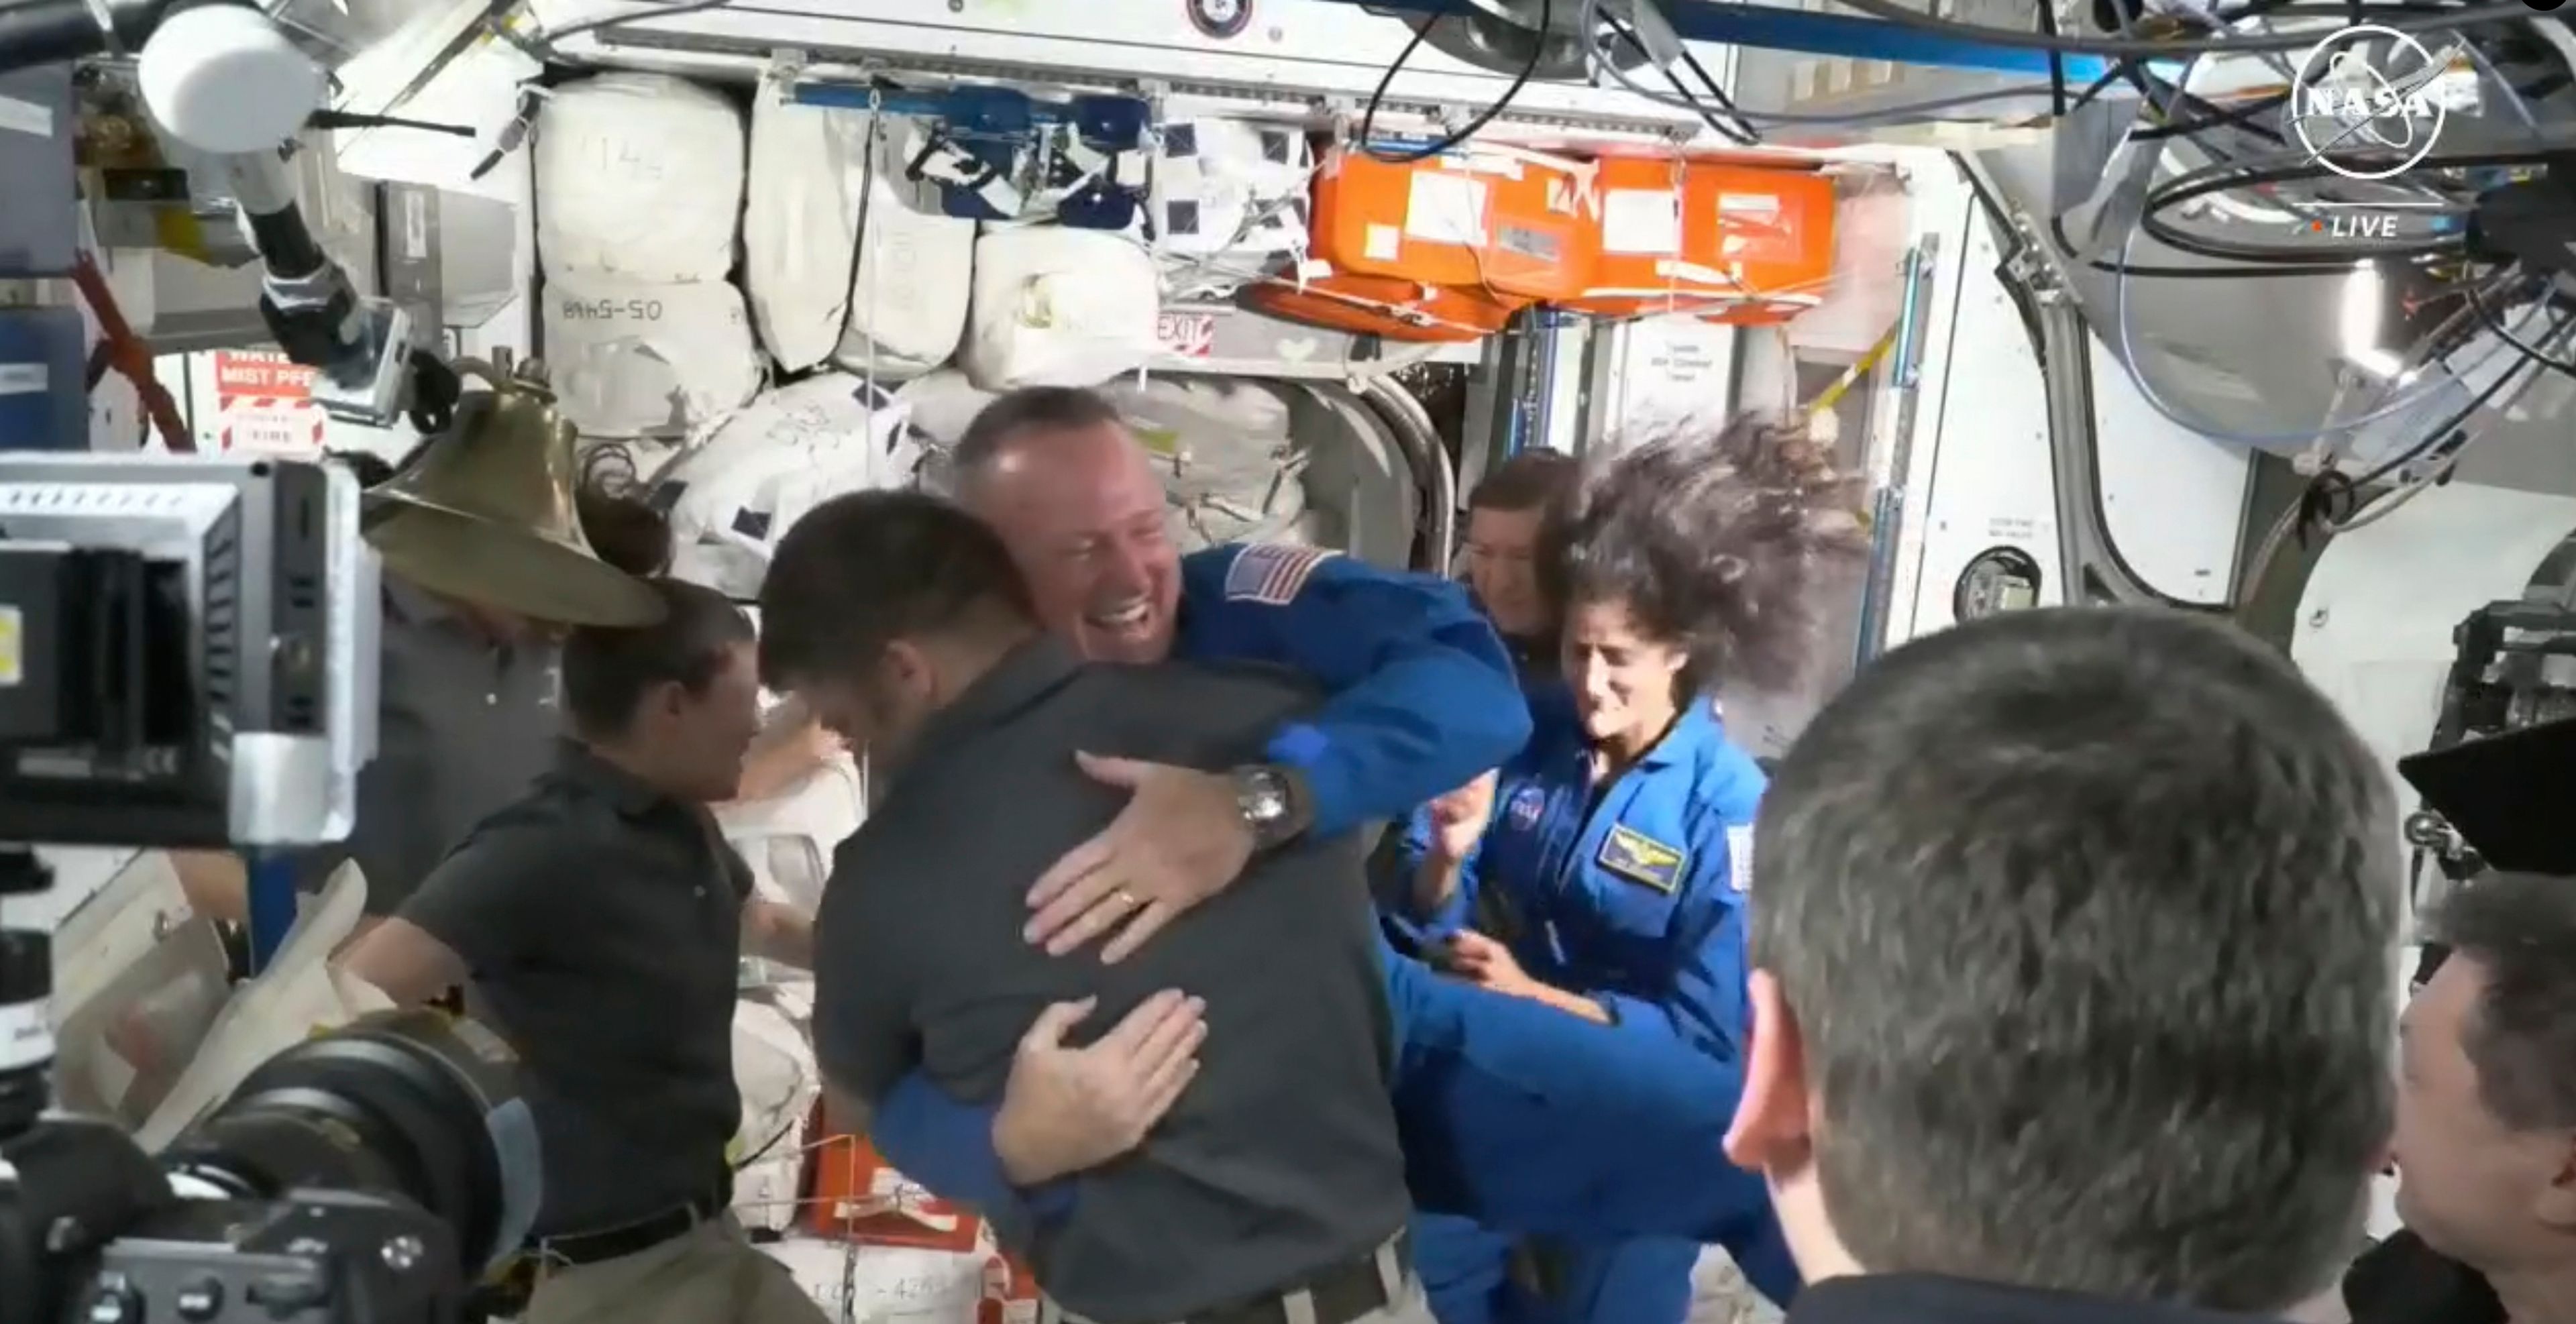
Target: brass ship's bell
[(485, 512)]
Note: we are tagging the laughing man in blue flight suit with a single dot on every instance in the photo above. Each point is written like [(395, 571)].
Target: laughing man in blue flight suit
[(1423, 700), (1619, 841)]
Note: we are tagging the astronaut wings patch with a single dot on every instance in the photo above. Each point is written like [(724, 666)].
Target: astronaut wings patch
[(1739, 857), (1272, 573)]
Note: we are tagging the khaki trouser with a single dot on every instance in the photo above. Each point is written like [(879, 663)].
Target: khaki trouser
[(711, 1274), (1403, 1289)]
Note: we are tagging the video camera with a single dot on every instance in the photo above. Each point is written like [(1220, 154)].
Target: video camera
[(187, 659)]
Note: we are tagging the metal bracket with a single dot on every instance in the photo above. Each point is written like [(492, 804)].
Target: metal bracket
[(1887, 507)]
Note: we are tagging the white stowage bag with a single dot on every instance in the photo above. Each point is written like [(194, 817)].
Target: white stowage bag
[(638, 177), (641, 360), (301, 992), (1224, 454), (788, 839), (1059, 307), (1229, 202), (773, 1066), (939, 405), (856, 1284), (810, 167), (786, 452)]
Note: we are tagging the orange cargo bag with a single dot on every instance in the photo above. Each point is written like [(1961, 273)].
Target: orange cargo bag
[(1773, 229), (1390, 309), (1649, 261), (1506, 223), (853, 1193)]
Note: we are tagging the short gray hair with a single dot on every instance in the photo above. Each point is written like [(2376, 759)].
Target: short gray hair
[(2088, 918)]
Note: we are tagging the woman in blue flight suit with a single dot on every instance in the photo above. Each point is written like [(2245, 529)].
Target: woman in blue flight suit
[(1607, 877)]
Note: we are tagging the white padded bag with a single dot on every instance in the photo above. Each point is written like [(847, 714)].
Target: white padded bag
[(788, 839), (1229, 203), (639, 176), (1224, 454), (1059, 307), (773, 1067), (642, 360), (790, 449), (862, 1284), (810, 167)]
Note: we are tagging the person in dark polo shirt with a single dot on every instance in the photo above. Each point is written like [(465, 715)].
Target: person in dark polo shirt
[(2486, 1119), (1274, 1190), (2074, 946), (601, 920)]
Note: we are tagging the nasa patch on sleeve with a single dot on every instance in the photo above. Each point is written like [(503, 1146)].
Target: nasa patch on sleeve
[(1272, 573), (1739, 857)]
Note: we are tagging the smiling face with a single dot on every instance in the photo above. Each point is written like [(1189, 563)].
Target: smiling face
[(1625, 680), (1083, 516), (1502, 566)]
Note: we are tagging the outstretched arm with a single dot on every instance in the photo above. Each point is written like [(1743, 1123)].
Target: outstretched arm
[(1422, 700)]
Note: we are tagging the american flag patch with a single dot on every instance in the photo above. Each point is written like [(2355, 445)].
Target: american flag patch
[(1739, 856), (1272, 573)]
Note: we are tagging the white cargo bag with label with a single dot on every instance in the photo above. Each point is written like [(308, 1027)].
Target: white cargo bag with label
[(734, 496), (1224, 454), (1059, 307), (1229, 203), (641, 360), (809, 168), (638, 177)]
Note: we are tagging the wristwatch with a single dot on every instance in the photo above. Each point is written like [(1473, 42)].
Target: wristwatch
[(1272, 803)]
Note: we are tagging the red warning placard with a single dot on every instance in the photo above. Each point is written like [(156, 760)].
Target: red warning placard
[(261, 373)]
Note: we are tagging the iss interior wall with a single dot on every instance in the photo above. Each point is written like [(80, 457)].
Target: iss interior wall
[(2173, 500), (1978, 474)]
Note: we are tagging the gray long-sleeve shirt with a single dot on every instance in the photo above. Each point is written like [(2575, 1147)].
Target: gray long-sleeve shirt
[(1281, 1160)]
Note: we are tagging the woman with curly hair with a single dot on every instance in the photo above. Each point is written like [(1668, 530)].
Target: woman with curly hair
[(1606, 867)]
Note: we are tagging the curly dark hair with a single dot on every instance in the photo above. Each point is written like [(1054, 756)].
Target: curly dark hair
[(1713, 543)]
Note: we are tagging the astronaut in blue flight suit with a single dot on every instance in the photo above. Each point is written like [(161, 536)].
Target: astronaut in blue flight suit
[(1618, 845), (1499, 549), (1621, 905), (1422, 699)]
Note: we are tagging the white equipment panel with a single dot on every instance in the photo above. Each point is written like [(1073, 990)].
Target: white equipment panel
[(1295, 55)]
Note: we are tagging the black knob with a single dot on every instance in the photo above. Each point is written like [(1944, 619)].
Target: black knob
[(200, 1301), (113, 1300), (286, 1295)]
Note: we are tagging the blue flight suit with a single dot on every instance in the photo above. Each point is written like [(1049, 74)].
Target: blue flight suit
[(1391, 873), (1422, 700), (1634, 899)]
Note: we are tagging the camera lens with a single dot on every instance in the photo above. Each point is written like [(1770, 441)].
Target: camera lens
[(406, 1103), (26, 1036)]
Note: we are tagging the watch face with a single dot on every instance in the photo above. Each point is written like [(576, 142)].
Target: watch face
[(1262, 797)]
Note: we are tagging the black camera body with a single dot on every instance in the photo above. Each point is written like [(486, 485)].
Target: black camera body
[(96, 1229), (368, 1175)]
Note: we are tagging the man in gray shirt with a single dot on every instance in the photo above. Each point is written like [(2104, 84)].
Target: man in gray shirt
[(1274, 1190)]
